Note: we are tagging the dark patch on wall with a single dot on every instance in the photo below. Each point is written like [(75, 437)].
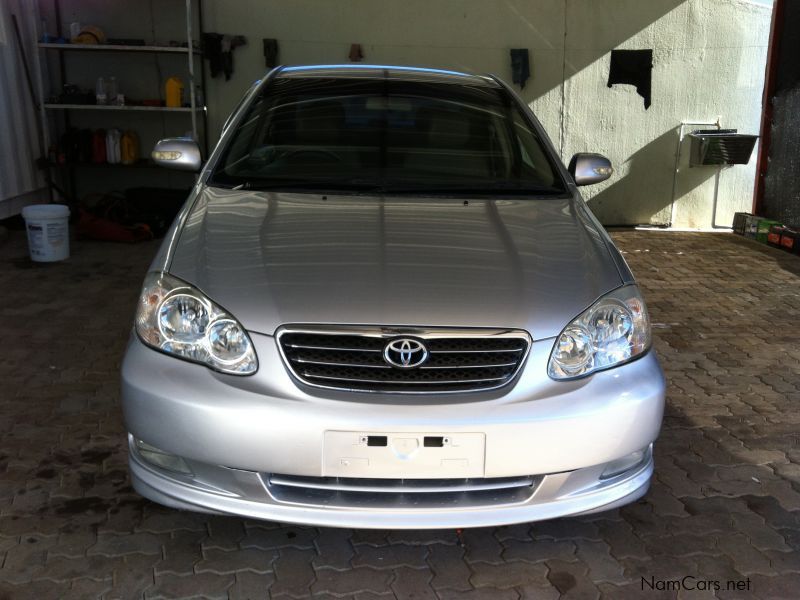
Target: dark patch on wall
[(632, 67), (270, 52), (520, 66), (782, 184)]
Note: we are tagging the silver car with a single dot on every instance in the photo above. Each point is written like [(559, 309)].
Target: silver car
[(385, 304)]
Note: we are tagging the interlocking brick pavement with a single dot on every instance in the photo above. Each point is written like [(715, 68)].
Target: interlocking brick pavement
[(725, 501)]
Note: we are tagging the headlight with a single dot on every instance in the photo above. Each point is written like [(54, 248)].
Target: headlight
[(178, 319), (614, 330)]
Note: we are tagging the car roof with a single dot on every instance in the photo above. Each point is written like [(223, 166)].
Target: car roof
[(399, 73)]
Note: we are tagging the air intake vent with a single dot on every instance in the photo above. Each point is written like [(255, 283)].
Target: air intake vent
[(404, 361), (400, 493)]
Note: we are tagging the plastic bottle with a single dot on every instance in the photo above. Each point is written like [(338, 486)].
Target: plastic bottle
[(45, 39), (173, 91), (100, 91), (129, 148), (111, 90), (113, 150), (99, 146)]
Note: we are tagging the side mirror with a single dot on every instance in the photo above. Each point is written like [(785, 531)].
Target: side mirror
[(177, 153), (588, 168)]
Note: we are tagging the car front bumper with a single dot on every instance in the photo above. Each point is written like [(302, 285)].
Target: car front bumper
[(236, 431)]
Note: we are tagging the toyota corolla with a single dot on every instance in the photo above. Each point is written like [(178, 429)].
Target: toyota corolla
[(385, 304)]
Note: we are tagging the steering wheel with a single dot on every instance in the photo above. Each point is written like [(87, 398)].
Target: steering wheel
[(322, 151)]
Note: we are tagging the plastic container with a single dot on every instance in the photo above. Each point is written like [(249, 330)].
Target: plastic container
[(774, 235), (751, 226), (173, 91), (48, 231), (762, 229), (100, 96), (111, 90), (129, 148), (790, 240), (740, 221), (99, 146), (113, 155)]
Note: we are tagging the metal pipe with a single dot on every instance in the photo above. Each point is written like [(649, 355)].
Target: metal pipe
[(203, 89), (770, 82), (190, 54), (714, 205), (677, 163)]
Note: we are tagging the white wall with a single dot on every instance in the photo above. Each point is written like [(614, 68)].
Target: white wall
[(708, 62), (20, 179), (709, 58)]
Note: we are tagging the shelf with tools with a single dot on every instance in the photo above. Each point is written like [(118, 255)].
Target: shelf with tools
[(102, 97), (117, 48), (112, 107), (139, 164)]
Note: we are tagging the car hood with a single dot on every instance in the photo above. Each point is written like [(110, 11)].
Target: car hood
[(272, 259)]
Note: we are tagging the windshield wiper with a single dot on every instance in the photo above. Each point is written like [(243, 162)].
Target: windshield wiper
[(503, 187), (365, 186), (322, 185)]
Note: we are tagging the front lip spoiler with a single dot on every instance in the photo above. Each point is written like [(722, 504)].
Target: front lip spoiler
[(169, 492)]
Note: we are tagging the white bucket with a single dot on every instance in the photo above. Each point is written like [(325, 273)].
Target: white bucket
[(48, 231)]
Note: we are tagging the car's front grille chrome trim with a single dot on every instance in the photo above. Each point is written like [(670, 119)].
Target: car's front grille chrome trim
[(304, 361), (306, 347), (510, 350), (413, 494), (351, 358), (398, 383)]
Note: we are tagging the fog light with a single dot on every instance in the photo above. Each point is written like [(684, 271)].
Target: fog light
[(162, 459), (626, 463)]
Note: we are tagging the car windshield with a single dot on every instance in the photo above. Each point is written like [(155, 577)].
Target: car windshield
[(385, 135)]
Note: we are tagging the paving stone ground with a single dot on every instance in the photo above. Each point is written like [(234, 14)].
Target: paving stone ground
[(724, 505)]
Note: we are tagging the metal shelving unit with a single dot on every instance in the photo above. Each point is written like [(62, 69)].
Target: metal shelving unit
[(193, 109)]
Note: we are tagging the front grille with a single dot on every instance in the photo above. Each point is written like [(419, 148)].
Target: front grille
[(353, 359), (352, 492)]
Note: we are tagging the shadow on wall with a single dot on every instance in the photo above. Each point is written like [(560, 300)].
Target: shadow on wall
[(588, 36), (623, 19), (620, 202), (470, 35)]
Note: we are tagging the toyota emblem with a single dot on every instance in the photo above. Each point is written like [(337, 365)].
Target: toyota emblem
[(405, 353)]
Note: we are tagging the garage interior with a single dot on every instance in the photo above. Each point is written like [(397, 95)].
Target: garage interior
[(710, 241)]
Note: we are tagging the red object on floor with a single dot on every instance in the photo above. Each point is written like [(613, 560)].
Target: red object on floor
[(98, 228), (790, 240), (774, 235)]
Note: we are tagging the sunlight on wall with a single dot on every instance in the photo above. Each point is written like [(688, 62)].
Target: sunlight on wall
[(708, 55), (708, 62)]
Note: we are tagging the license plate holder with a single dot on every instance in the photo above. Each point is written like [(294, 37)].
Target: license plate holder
[(403, 455)]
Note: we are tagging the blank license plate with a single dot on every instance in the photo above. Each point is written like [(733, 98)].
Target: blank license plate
[(403, 455)]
